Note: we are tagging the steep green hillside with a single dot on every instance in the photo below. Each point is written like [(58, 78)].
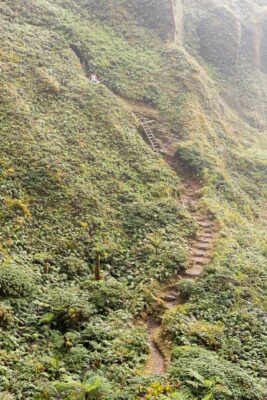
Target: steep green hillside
[(80, 189)]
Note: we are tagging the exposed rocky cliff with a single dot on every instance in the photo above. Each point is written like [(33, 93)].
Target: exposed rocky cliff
[(231, 36), (164, 17)]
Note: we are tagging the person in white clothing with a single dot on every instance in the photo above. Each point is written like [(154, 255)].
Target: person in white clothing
[(93, 78)]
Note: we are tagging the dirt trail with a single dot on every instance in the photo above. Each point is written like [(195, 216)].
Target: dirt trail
[(200, 255), (156, 361), (201, 249)]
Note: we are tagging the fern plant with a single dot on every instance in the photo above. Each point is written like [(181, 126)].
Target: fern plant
[(70, 389)]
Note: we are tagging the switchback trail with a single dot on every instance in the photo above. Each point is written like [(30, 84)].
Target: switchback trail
[(200, 255)]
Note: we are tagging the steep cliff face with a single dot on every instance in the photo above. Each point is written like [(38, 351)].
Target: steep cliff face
[(250, 33), (263, 46), (219, 33), (179, 20), (231, 37), (164, 17)]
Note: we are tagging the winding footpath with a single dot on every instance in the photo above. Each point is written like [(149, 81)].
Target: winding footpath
[(201, 250), (200, 255)]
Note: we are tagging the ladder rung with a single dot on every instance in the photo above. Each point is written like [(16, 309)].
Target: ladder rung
[(151, 138)]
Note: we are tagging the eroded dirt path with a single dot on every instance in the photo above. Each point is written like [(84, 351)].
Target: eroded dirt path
[(201, 250), (200, 255), (156, 362)]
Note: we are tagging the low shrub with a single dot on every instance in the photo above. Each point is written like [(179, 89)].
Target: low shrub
[(16, 280), (74, 267), (191, 157), (49, 83), (94, 388), (202, 373), (67, 310), (6, 315), (109, 295)]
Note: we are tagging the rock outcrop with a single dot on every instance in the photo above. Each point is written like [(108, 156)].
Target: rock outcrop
[(219, 32), (231, 37), (263, 46), (162, 16), (178, 13)]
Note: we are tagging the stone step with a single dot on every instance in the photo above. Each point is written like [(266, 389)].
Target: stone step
[(207, 232), (205, 224), (169, 297), (203, 246), (194, 271), (198, 253), (200, 217), (205, 228), (201, 260), (172, 292), (206, 239), (204, 221), (201, 239)]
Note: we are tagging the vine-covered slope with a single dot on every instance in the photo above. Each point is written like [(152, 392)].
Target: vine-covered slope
[(81, 191)]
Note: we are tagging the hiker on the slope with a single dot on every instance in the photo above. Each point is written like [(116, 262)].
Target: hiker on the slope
[(93, 78)]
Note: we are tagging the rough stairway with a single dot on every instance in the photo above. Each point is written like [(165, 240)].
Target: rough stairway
[(201, 248), (200, 256)]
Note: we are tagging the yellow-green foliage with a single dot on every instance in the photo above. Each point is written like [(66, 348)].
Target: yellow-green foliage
[(18, 205), (49, 83), (78, 182)]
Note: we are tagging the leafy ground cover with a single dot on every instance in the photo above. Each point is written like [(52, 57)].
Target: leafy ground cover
[(80, 191)]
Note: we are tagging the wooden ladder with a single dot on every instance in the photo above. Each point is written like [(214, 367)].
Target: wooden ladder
[(150, 135)]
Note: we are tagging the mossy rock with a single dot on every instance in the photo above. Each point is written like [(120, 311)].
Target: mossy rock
[(158, 15), (219, 33)]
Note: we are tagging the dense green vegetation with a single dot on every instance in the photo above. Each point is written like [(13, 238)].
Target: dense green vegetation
[(82, 195)]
